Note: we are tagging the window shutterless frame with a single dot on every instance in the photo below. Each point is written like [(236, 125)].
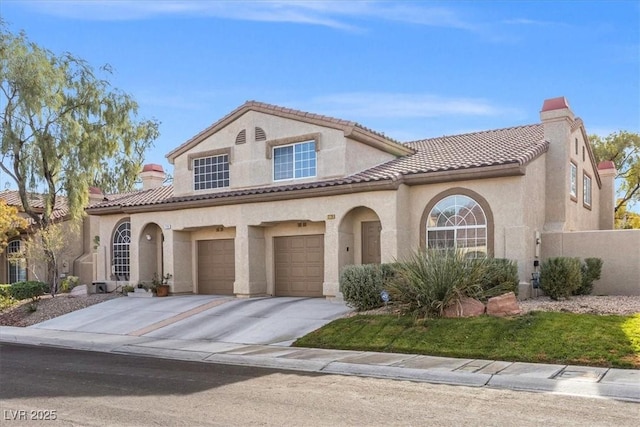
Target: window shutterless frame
[(294, 161)]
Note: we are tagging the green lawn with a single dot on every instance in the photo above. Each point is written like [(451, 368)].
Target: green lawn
[(544, 337)]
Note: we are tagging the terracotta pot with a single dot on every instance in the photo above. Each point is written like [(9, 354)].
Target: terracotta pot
[(162, 290)]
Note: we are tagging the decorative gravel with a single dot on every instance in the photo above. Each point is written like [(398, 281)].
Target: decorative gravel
[(48, 308), (585, 304)]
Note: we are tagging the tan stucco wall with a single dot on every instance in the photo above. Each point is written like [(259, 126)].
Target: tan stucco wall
[(250, 166), (618, 249), (563, 212), (513, 237)]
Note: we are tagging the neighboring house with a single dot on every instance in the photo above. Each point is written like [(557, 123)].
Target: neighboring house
[(275, 201), (15, 266)]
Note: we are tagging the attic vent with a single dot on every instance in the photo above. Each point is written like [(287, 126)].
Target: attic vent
[(260, 135), (242, 137)]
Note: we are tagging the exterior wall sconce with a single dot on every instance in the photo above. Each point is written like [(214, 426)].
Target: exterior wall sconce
[(148, 237)]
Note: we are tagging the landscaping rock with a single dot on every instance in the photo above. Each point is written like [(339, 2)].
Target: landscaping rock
[(503, 305), (466, 307), (79, 291)]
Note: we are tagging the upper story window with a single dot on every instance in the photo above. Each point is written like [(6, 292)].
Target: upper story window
[(294, 161), (573, 186), (586, 184), (211, 172), (17, 264)]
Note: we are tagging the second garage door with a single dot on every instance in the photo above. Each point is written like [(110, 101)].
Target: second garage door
[(299, 265), (216, 266)]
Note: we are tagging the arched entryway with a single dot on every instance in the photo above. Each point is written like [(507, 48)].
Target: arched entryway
[(150, 253), (359, 237)]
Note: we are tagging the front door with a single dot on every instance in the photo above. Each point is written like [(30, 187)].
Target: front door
[(371, 242)]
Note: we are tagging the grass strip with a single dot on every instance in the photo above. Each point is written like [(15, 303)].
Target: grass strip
[(540, 337)]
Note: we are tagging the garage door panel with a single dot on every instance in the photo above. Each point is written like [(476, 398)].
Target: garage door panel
[(216, 266), (299, 265)]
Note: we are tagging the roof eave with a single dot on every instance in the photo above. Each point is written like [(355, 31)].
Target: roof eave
[(380, 143), (333, 190), (481, 172)]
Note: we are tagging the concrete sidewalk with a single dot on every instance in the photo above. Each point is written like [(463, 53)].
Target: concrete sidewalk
[(621, 384)]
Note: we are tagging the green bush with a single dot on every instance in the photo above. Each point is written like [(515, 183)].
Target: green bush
[(68, 283), (431, 280), (361, 285), (500, 277), (560, 277), (127, 288), (29, 289), (5, 291), (591, 270)]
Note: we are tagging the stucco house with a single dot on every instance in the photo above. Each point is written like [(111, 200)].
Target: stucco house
[(16, 266), (274, 201)]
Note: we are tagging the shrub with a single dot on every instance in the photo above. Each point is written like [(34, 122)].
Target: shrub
[(560, 277), (5, 291), (29, 289), (500, 277), (591, 270), (361, 285), (68, 283), (127, 288), (430, 280)]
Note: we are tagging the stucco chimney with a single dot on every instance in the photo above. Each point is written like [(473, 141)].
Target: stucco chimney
[(557, 118), (607, 171), (95, 195), (152, 176)]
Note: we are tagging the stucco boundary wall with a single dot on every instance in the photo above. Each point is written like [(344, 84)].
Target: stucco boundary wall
[(618, 249)]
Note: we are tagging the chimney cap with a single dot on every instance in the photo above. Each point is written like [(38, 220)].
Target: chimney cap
[(152, 167), (555, 104), (606, 164)]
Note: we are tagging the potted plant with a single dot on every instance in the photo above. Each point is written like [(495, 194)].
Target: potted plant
[(160, 285)]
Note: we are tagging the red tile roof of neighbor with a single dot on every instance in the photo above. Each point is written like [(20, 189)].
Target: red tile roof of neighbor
[(36, 201)]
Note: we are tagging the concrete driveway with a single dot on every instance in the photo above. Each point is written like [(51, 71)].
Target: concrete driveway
[(275, 321)]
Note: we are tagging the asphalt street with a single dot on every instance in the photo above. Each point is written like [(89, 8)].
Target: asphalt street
[(82, 388)]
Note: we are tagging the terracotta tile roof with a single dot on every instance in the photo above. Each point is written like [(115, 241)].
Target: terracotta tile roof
[(516, 145), (12, 198), (519, 145), (137, 198)]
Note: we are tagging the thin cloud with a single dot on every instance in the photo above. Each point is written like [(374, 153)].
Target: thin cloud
[(333, 14), (404, 105)]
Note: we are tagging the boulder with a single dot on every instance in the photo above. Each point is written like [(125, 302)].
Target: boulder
[(466, 307), (79, 291), (503, 305)]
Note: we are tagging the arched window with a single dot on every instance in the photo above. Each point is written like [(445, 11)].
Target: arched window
[(458, 222), (17, 264), (120, 249)]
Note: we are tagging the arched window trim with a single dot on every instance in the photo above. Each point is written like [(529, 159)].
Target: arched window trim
[(121, 250), (461, 192)]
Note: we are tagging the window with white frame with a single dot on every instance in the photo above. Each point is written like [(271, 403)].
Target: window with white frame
[(586, 190), (211, 172), (120, 251), (294, 161), (17, 264), (573, 187), (458, 222)]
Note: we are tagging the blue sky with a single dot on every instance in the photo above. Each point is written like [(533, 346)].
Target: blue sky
[(412, 70)]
